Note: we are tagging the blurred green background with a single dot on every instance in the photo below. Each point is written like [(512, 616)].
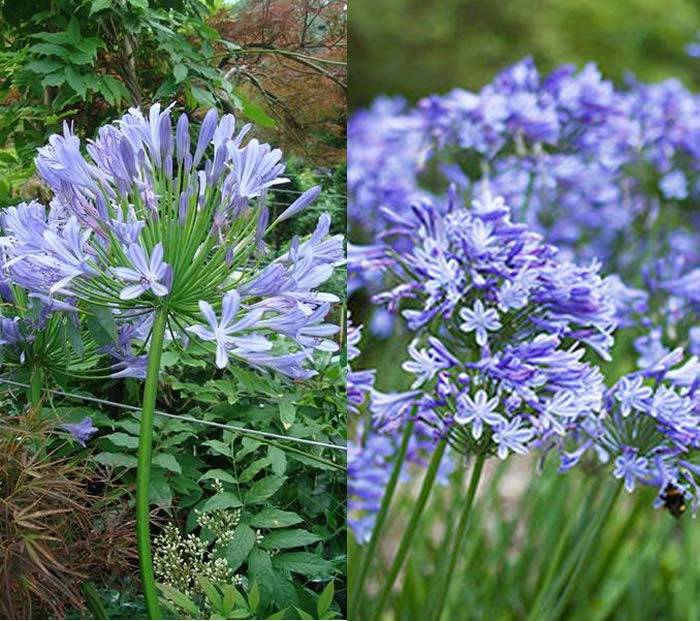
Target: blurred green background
[(414, 48)]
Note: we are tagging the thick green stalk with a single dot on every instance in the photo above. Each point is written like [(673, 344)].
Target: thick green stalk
[(458, 542), (143, 474), (368, 556), (407, 539)]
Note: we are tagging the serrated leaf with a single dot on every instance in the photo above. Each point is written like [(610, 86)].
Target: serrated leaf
[(203, 97), (240, 546), (225, 500), (254, 597), (325, 599), (116, 460), (292, 538), (274, 518), (75, 81), (168, 462), (123, 439), (304, 563), (263, 489), (159, 492), (260, 569)]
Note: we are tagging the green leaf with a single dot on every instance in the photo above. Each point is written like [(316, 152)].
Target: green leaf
[(48, 49), (256, 114), (180, 72), (240, 546), (139, 4), (167, 461), (302, 614), (325, 600), (180, 599), (99, 5), (76, 82), (211, 592), (274, 518), (278, 460), (116, 460), (123, 439), (254, 597), (81, 58), (253, 468), (203, 97), (72, 331), (288, 412), (100, 323), (73, 30), (304, 563), (217, 473), (292, 538), (263, 489), (260, 569), (225, 500), (44, 66), (159, 492)]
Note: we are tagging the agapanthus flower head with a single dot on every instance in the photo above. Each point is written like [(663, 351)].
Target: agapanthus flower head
[(501, 327), (141, 223), (648, 431), (82, 431)]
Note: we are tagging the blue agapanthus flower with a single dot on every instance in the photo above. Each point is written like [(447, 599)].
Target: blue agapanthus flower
[(501, 327), (142, 222)]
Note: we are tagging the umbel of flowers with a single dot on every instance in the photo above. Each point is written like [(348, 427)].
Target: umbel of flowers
[(170, 238), (501, 330)]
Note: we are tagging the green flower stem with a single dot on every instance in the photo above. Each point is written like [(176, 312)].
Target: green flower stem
[(458, 542), (574, 563), (690, 571), (143, 474), (407, 539), (380, 521)]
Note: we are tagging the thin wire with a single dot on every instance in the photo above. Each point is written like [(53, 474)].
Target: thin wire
[(190, 419)]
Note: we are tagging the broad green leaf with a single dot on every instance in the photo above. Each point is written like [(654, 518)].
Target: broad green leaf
[(278, 460), (304, 563), (180, 72), (123, 439), (180, 599), (288, 412), (159, 491), (203, 97), (217, 473), (99, 5), (302, 614), (48, 49), (101, 324), (274, 518), (167, 461), (225, 500), (211, 592), (116, 460), (73, 30), (253, 468), (240, 546), (263, 489), (260, 569), (44, 66), (292, 538), (256, 114), (77, 83), (325, 600), (254, 597)]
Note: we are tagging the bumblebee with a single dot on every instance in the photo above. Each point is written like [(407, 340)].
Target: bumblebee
[(674, 500)]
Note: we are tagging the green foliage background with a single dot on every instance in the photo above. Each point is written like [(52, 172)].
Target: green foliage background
[(415, 48)]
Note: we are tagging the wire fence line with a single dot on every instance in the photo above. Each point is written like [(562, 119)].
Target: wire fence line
[(191, 419)]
